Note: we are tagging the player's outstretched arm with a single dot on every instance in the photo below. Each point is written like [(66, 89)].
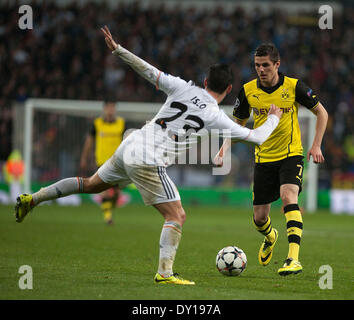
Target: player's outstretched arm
[(239, 133), (88, 146), (261, 134), (321, 124), (143, 68), (218, 159)]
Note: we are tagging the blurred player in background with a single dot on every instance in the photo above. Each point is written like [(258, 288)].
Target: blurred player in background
[(106, 135), (188, 113), (279, 161)]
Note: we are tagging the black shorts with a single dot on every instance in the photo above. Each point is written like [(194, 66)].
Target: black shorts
[(269, 176)]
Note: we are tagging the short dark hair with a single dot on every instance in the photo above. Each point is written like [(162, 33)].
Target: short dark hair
[(108, 101), (219, 77), (268, 49)]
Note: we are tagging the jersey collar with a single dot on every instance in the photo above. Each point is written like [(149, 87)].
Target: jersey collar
[(108, 121), (211, 97), (271, 89)]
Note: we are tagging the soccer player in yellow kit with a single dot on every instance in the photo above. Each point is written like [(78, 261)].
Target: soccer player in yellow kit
[(279, 160), (106, 134), (142, 158)]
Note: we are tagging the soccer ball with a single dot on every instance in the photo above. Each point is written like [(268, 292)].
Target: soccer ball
[(231, 261)]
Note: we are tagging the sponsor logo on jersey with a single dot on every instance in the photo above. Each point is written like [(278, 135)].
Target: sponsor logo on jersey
[(108, 134), (265, 110), (256, 111)]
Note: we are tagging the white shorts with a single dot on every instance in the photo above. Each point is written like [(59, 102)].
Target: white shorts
[(153, 183)]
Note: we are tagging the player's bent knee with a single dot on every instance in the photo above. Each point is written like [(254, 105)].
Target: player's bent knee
[(260, 213), (182, 216), (172, 211), (289, 194), (289, 198), (177, 215)]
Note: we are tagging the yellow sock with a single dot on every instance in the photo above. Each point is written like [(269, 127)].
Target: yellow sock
[(107, 215), (266, 229), (106, 207), (294, 229)]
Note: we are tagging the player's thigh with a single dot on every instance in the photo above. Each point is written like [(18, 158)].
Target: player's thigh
[(266, 183), (113, 174), (153, 183), (291, 175), (291, 171), (110, 192)]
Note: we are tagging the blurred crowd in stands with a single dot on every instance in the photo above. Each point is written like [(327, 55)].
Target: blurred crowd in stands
[(65, 57)]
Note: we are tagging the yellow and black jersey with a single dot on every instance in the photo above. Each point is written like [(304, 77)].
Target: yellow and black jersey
[(108, 136), (288, 94)]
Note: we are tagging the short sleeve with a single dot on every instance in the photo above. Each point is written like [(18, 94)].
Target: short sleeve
[(241, 107), (92, 131), (168, 83), (305, 96)]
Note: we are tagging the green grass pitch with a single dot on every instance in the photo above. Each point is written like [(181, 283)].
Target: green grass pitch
[(74, 255)]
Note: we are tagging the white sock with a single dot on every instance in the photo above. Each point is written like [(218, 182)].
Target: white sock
[(59, 189), (169, 240)]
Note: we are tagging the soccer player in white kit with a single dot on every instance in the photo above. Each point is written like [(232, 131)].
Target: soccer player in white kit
[(143, 156)]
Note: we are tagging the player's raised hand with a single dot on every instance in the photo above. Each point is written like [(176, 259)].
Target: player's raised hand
[(316, 154), (275, 110), (111, 44), (218, 159)]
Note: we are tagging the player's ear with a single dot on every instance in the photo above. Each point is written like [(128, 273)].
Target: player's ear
[(278, 64), (229, 89), (205, 82)]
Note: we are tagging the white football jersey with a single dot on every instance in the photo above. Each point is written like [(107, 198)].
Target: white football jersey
[(188, 112)]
